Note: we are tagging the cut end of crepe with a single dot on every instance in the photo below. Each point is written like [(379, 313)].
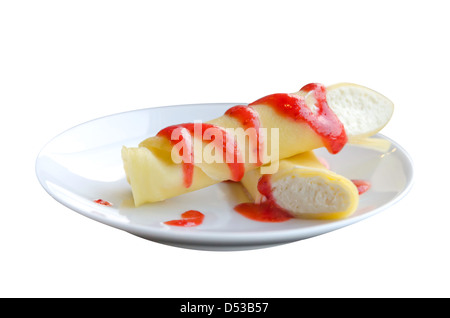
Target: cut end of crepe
[(317, 196), (362, 111)]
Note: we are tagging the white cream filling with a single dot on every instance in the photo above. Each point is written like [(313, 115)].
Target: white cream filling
[(301, 195), (360, 109)]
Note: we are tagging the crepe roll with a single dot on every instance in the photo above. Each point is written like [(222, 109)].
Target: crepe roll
[(190, 156)]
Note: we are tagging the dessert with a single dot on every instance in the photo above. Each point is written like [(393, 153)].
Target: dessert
[(186, 157)]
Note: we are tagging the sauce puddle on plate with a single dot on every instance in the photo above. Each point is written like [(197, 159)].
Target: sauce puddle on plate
[(103, 202), (188, 219), (267, 211)]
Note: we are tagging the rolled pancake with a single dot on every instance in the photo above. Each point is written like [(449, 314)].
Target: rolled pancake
[(304, 188), (294, 123)]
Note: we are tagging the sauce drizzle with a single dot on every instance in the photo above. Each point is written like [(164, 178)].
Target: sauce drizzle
[(249, 118), (324, 122), (229, 148)]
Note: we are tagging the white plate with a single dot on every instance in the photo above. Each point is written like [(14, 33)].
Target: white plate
[(84, 164)]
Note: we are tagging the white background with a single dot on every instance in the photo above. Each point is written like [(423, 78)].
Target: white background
[(66, 62)]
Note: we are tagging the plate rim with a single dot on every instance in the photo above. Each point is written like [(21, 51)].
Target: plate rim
[(197, 238)]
